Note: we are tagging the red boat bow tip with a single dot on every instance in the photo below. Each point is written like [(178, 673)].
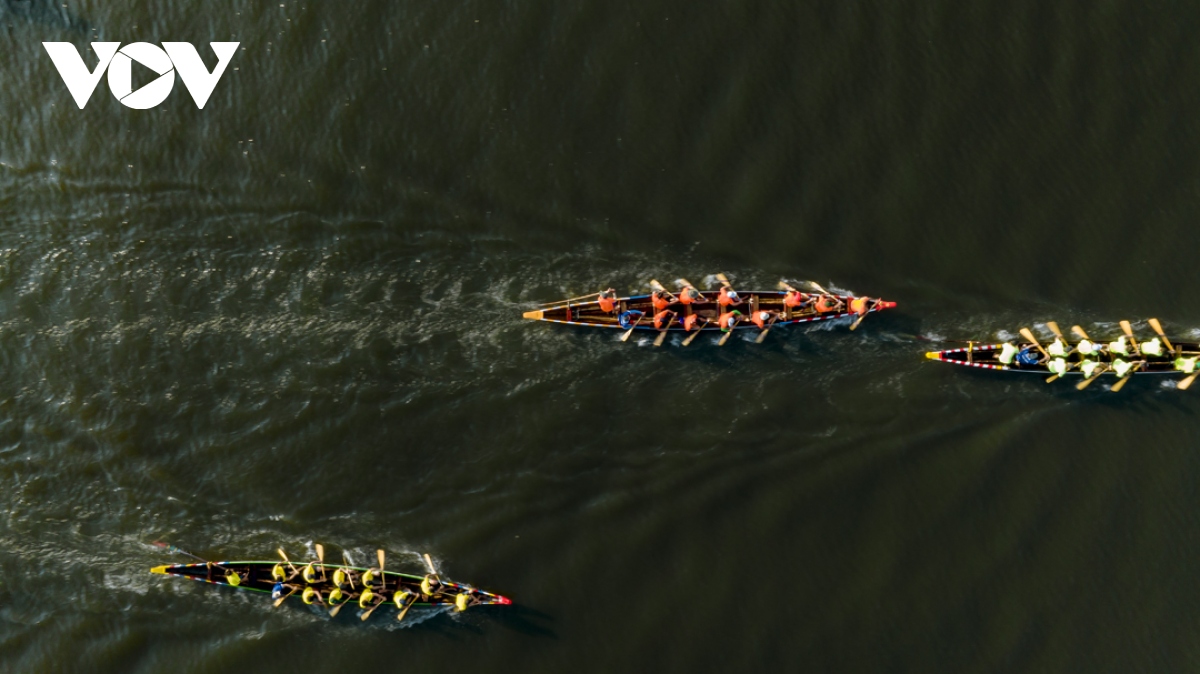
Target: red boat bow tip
[(503, 601)]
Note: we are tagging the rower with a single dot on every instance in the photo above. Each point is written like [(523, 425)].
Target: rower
[(1119, 347), (366, 598), (1186, 365), (311, 595), (760, 318), (1153, 347), (1007, 353), (859, 305), (1121, 367), (728, 297), (689, 295), (310, 574), (430, 585), (401, 597), (279, 573), (627, 319), (342, 577), (368, 576), (661, 299), (233, 578), (662, 320), (1057, 366), (336, 596), (1089, 348), (728, 320), (794, 299), (828, 303), (689, 322), (1058, 348), (463, 600), (1088, 367), (608, 300), (282, 589)]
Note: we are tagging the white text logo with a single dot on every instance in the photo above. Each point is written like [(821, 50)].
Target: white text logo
[(179, 57)]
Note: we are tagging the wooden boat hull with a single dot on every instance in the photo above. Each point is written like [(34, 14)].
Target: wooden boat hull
[(590, 314), (983, 356), (257, 578)]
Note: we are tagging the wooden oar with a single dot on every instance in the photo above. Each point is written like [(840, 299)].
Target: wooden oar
[(334, 611), (1096, 375), (289, 562), (349, 573), (1057, 333), (694, 334), (1051, 380), (1187, 381), (662, 336), (321, 558), (382, 576), (625, 337), (1129, 333), (724, 280), (1158, 329), (1121, 382), (860, 319), (763, 335), (429, 564), (1027, 334), (280, 600), (570, 299), (1079, 331)]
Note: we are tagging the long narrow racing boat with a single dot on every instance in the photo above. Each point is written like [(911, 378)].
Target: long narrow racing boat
[(1121, 358), (630, 309), (335, 585)]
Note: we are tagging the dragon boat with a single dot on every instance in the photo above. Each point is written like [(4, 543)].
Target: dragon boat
[(1121, 358), (635, 312), (335, 585)]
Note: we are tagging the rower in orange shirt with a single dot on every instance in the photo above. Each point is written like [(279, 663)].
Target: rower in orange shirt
[(608, 300), (661, 299)]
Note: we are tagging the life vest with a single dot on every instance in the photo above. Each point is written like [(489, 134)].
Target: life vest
[(368, 576), (1027, 357), (401, 598), (1087, 367), (460, 602), (689, 322), (661, 316), (859, 305), (826, 303), (310, 576), (1087, 348), (608, 302), (660, 301), (278, 573), (336, 595), (308, 595), (794, 298), (759, 318), (1007, 353), (365, 598), (1118, 347), (427, 586), (339, 577), (233, 579), (689, 295), (1058, 366), (728, 298), (1153, 347), (1057, 348), (1185, 365), (1121, 367)]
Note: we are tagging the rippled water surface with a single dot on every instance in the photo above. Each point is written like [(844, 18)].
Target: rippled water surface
[(294, 317)]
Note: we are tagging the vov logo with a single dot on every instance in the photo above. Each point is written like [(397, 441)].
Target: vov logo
[(172, 57)]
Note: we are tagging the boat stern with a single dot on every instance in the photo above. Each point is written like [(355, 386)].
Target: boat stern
[(933, 355), (533, 315), (161, 570)]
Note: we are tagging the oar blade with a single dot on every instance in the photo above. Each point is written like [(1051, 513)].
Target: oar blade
[(320, 553), (429, 564), (1187, 381), (400, 616), (379, 554), (662, 335), (1054, 328), (1159, 331), (1079, 331), (1028, 334), (1120, 384)]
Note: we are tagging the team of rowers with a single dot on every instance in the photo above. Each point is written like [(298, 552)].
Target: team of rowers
[(370, 588), (1054, 356), (670, 309)]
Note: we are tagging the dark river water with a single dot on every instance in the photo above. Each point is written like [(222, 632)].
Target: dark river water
[(294, 316)]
